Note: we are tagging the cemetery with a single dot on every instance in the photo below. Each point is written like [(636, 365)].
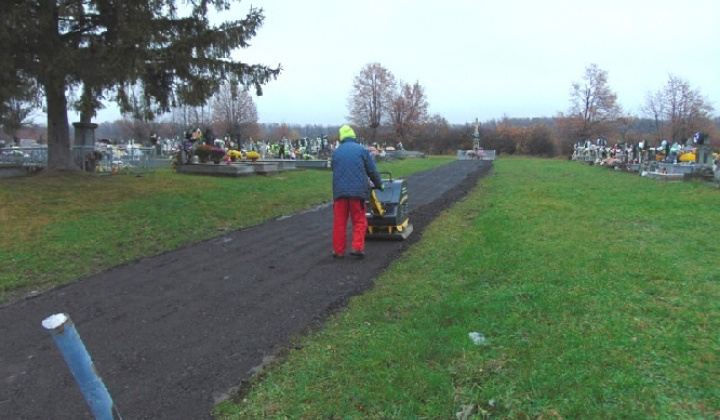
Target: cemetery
[(693, 159)]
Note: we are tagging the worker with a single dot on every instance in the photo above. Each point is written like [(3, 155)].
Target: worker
[(352, 165)]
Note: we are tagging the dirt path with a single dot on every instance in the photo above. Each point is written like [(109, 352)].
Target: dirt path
[(170, 334)]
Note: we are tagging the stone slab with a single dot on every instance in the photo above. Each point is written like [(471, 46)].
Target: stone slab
[(665, 177), (264, 168), (312, 164), (211, 169), (282, 164)]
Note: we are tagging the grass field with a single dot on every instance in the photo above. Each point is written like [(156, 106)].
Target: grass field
[(55, 230), (596, 292)]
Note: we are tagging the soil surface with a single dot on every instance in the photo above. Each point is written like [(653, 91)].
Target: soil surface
[(172, 334)]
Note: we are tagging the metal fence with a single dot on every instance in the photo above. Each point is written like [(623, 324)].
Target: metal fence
[(30, 156), (104, 159), (473, 155)]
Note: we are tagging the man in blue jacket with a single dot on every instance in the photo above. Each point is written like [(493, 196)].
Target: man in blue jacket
[(352, 165)]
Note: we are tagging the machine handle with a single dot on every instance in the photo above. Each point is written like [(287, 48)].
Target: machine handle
[(386, 173), (378, 187)]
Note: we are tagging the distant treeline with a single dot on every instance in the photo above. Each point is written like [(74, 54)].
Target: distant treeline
[(546, 136)]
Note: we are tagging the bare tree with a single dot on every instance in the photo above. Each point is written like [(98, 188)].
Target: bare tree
[(408, 110), (199, 116), (137, 130), (623, 126), (188, 117), (234, 111), (434, 136), (568, 132), (285, 131), (654, 107), (370, 99), (593, 103), (437, 126), (536, 140), (679, 109)]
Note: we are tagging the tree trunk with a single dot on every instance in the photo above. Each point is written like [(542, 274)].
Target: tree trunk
[(59, 156), (373, 133), (52, 79), (85, 113)]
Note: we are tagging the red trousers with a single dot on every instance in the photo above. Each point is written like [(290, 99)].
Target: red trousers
[(355, 210)]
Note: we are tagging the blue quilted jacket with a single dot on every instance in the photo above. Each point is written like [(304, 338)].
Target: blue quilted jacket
[(352, 165)]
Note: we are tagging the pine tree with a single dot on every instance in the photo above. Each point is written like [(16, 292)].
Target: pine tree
[(165, 50)]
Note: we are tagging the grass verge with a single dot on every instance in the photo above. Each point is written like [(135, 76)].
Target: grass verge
[(596, 292), (57, 229)]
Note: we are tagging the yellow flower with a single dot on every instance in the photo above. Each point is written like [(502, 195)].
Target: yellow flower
[(234, 154)]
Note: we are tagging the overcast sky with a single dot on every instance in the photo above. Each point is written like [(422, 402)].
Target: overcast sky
[(480, 59)]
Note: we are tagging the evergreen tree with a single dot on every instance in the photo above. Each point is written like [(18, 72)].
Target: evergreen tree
[(166, 51), (17, 106)]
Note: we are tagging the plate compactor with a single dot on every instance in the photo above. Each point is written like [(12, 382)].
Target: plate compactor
[(387, 213)]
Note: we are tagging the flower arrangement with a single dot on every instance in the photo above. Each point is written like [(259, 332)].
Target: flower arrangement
[(252, 155), (203, 151), (234, 154), (217, 153)]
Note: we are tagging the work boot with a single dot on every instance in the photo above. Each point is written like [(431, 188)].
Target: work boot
[(357, 254), (336, 256)]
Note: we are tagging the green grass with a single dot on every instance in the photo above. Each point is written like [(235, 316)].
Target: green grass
[(55, 230), (597, 292)]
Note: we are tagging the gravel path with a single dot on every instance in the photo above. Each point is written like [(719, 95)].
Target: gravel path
[(172, 333)]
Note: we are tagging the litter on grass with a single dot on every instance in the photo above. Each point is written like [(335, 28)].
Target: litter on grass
[(478, 338)]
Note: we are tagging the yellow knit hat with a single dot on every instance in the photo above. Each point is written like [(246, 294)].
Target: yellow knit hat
[(345, 132)]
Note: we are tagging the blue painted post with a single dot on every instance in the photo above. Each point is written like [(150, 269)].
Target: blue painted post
[(76, 356)]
